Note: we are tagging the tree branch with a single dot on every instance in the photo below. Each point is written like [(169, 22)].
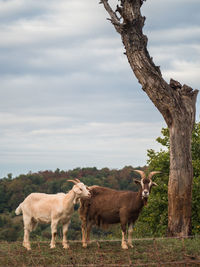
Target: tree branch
[(170, 99), (113, 16)]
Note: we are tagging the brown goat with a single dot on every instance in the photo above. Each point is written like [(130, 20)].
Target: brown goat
[(107, 206)]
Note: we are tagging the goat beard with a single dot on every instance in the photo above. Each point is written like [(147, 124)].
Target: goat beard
[(76, 200), (145, 201)]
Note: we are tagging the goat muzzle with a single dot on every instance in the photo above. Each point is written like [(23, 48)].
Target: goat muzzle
[(145, 194), (88, 196)]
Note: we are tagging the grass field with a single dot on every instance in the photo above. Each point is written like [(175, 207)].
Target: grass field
[(146, 252)]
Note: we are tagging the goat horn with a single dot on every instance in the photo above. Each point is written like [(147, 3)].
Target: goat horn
[(77, 180), (73, 181), (136, 181), (142, 174), (152, 173)]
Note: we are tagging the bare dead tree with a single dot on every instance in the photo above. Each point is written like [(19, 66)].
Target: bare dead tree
[(176, 103)]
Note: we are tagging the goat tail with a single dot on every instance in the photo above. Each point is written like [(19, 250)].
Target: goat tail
[(18, 210)]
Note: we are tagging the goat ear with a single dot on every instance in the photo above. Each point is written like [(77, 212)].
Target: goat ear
[(154, 184), (76, 189), (137, 181)]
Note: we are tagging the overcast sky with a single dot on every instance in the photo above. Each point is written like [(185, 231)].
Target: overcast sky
[(68, 96)]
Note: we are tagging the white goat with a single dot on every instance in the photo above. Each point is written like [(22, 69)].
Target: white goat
[(50, 208)]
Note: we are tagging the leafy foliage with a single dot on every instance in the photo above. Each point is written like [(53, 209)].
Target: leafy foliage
[(14, 191), (154, 218)]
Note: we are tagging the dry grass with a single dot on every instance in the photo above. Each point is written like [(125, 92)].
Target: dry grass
[(149, 252)]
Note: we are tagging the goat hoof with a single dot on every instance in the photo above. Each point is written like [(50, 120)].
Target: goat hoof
[(130, 245), (52, 246), (124, 246), (27, 246), (66, 246), (84, 245)]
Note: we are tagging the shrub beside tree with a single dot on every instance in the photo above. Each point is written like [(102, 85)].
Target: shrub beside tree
[(154, 220)]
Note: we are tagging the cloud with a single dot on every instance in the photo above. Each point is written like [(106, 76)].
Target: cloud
[(15, 10), (32, 20), (181, 35), (171, 14), (68, 95), (180, 62), (78, 145), (184, 71)]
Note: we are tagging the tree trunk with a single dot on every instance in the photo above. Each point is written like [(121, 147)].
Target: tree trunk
[(180, 180), (175, 102)]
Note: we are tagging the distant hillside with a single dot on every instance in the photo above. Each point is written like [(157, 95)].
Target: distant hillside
[(13, 192)]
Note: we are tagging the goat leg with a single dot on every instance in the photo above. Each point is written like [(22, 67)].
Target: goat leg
[(89, 226), (65, 229), (130, 232), (26, 242), (124, 243), (53, 233), (83, 228)]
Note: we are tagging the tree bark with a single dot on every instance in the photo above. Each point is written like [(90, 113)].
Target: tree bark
[(175, 102), (180, 180)]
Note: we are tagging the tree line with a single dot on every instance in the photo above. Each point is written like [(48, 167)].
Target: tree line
[(153, 219)]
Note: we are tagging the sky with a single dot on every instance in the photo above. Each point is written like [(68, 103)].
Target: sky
[(68, 96)]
